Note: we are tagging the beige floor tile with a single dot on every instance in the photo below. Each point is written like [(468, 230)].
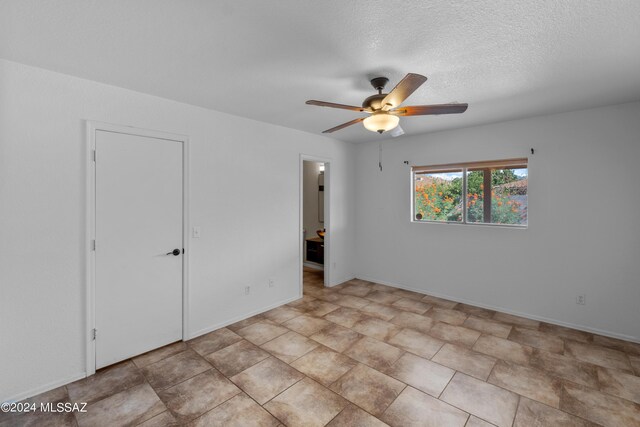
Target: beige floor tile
[(613, 343), (487, 326), (417, 343), (345, 316), (290, 346), (262, 331), (486, 401), (129, 407), (360, 282), (376, 328), (336, 337), (464, 360), (305, 299), (331, 297), (159, 354), (370, 389), (599, 407), (403, 293), (446, 315), (306, 404), (382, 288), (356, 290), (503, 349), (439, 302), (412, 305), (382, 297), (454, 334), (534, 414), (414, 408), (246, 322), (477, 422), (236, 358), (632, 348), (324, 365), (380, 311), (567, 333), (165, 419), (317, 308), (352, 416), (175, 369), (214, 341), (37, 419), (594, 374), (282, 314), (374, 353), (413, 321), (240, 411), (420, 373), (529, 382), (565, 367), (266, 379), (619, 384), (105, 382), (351, 301), (537, 339), (635, 364), (472, 310), (516, 320), (306, 325), (598, 355), (197, 395)]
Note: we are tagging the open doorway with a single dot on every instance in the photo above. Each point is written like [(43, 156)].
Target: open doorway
[(314, 222)]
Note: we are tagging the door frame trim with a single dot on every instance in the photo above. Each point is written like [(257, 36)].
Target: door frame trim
[(90, 196), (328, 253)]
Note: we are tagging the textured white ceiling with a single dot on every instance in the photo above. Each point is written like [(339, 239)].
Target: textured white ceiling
[(263, 59)]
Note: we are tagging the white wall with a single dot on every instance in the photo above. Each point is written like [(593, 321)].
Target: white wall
[(42, 208), (310, 208), (583, 234)]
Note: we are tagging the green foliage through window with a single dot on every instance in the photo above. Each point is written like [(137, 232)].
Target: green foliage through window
[(438, 196)]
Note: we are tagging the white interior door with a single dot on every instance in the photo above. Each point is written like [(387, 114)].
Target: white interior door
[(138, 286)]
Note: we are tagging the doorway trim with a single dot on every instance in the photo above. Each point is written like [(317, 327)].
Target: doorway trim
[(90, 214), (327, 218)]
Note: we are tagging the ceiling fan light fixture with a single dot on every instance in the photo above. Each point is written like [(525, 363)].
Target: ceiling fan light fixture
[(381, 122)]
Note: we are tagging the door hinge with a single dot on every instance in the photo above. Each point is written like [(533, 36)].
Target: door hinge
[(93, 245), (94, 156), (93, 334)]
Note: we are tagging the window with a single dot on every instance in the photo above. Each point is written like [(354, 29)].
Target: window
[(456, 193)]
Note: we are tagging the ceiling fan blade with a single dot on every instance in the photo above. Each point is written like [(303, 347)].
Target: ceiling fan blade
[(344, 125), (334, 105), (402, 91), (426, 110)]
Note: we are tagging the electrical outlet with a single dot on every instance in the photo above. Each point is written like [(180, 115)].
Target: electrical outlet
[(196, 232), (272, 282), (247, 290), (581, 299)]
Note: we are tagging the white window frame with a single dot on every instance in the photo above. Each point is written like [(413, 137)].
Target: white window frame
[(520, 163)]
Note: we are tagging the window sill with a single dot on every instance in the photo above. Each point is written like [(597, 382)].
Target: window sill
[(478, 224)]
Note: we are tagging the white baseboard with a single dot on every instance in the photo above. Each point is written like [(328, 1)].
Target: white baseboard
[(241, 317), (43, 388), (508, 311)]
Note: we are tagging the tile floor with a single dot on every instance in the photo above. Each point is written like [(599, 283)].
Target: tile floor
[(365, 354)]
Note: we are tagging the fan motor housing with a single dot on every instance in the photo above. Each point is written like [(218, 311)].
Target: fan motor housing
[(374, 101)]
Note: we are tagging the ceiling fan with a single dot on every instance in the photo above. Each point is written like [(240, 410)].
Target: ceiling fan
[(384, 108)]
